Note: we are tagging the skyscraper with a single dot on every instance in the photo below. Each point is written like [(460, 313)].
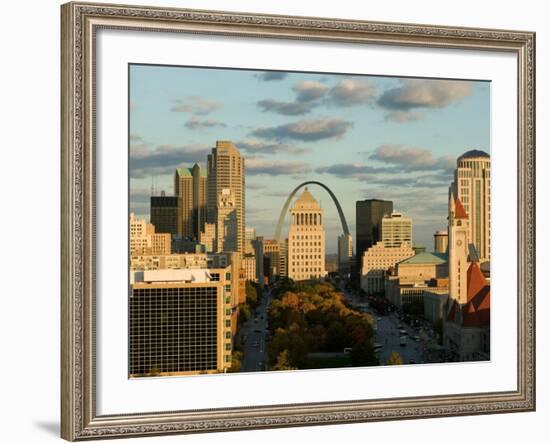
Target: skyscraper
[(472, 186), (396, 230), (225, 168), (190, 187), (306, 239), (164, 214), (368, 219), (345, 253)]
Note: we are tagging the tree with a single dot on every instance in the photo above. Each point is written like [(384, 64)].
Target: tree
[(362, 354), (395, 359), (283, 362), (236, 361)]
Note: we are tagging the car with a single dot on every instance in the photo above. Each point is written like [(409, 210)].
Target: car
[(402, 332), (403, 341), (417, 339), (377, 347)]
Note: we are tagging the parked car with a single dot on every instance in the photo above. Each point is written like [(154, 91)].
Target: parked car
[(403, 341)]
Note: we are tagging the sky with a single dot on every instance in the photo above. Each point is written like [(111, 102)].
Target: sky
[(364, 137)]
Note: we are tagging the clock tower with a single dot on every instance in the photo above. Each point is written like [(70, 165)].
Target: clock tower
[(458, 250)]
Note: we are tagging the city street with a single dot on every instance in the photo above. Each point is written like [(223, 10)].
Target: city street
[(387, 333), (255, 337)]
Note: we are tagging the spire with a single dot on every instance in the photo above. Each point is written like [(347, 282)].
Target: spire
[(460, 212)]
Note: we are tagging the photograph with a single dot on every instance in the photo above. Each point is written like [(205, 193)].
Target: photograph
[(286, 220)]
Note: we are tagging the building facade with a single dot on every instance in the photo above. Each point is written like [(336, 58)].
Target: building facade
[(396, 230), (190, 188), (225, 170), (458, 249), (368, 219), (164, 214), (227, 226), (180, 322), (171, 261), (145, 241), (345, 254), (306, 239), (377, 260), (248, 264), (472, 186)]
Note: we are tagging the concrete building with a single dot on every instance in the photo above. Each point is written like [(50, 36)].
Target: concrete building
[(258, 244), (180, 322), (377, 260), (248, 264), (225, 167), (208, 237), (191, 192), (441, 241), (145, 241), (368, 219), (466, 331), (345, 254), (472, 186), (435, 304), (282, 269), (412, 277), (164, 213), (226, 222), (171, 261), (396, 230), (306, 239)]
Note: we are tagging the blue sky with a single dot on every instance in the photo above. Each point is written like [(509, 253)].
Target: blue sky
[(362, 136)]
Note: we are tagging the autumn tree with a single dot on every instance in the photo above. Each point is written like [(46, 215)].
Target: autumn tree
[(283, 362), (395, 359)]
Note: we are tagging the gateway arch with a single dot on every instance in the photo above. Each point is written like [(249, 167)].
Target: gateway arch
[(284, 210)]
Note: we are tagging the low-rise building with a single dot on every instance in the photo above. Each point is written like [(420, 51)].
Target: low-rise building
[(376, 262)]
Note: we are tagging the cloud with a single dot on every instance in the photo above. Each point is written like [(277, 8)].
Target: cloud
[(352, 92), (285, 108), (197, 123), (347, 170), (269, 76), (424, 94), (257, 166), (196, 105), (306, 130), (308, 91), (146, 161), (258, 147), (403, 116), (412, 159), (135, 138)]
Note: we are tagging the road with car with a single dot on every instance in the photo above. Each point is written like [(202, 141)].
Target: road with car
[(254, 335)]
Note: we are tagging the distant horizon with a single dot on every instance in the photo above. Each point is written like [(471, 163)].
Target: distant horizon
[(362, 136)]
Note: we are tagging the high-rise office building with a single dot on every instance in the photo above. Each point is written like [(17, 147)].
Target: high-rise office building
[(226, 222), (190, 188), (164, 214), (271, 252), (306, 239), (472, 186), (368, 219), (180, 322), (225, 168), (441, 241), (396, 230), (249, 237)]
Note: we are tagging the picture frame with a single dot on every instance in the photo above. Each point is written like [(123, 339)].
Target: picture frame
[(80, 23)]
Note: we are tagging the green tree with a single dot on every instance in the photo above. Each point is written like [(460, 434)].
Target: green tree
[(395, 359), (283, 362), (236, 361)]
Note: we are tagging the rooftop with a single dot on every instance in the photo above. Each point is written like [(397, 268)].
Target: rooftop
[(426, 258), (474, 153)]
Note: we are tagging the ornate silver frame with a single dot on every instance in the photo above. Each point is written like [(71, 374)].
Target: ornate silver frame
[(80, 21)]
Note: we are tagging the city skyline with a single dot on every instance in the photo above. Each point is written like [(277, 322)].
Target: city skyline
[(364, 137)]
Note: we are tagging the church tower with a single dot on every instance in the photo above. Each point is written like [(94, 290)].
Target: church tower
[(458, 250)]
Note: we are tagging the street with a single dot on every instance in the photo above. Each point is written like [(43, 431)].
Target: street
[(254, 332), (387, 333)]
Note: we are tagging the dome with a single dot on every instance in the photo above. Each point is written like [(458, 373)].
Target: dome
[(474, 153)]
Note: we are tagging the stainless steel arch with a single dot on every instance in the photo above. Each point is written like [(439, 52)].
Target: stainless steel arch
[(281, 221)]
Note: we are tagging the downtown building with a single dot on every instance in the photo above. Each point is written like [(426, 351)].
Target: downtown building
[(164, 213), (145, 241), (190, 188), (396, 230), (368, 220), (225, 171), (306, 239), (472, 186), (180, 322)]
